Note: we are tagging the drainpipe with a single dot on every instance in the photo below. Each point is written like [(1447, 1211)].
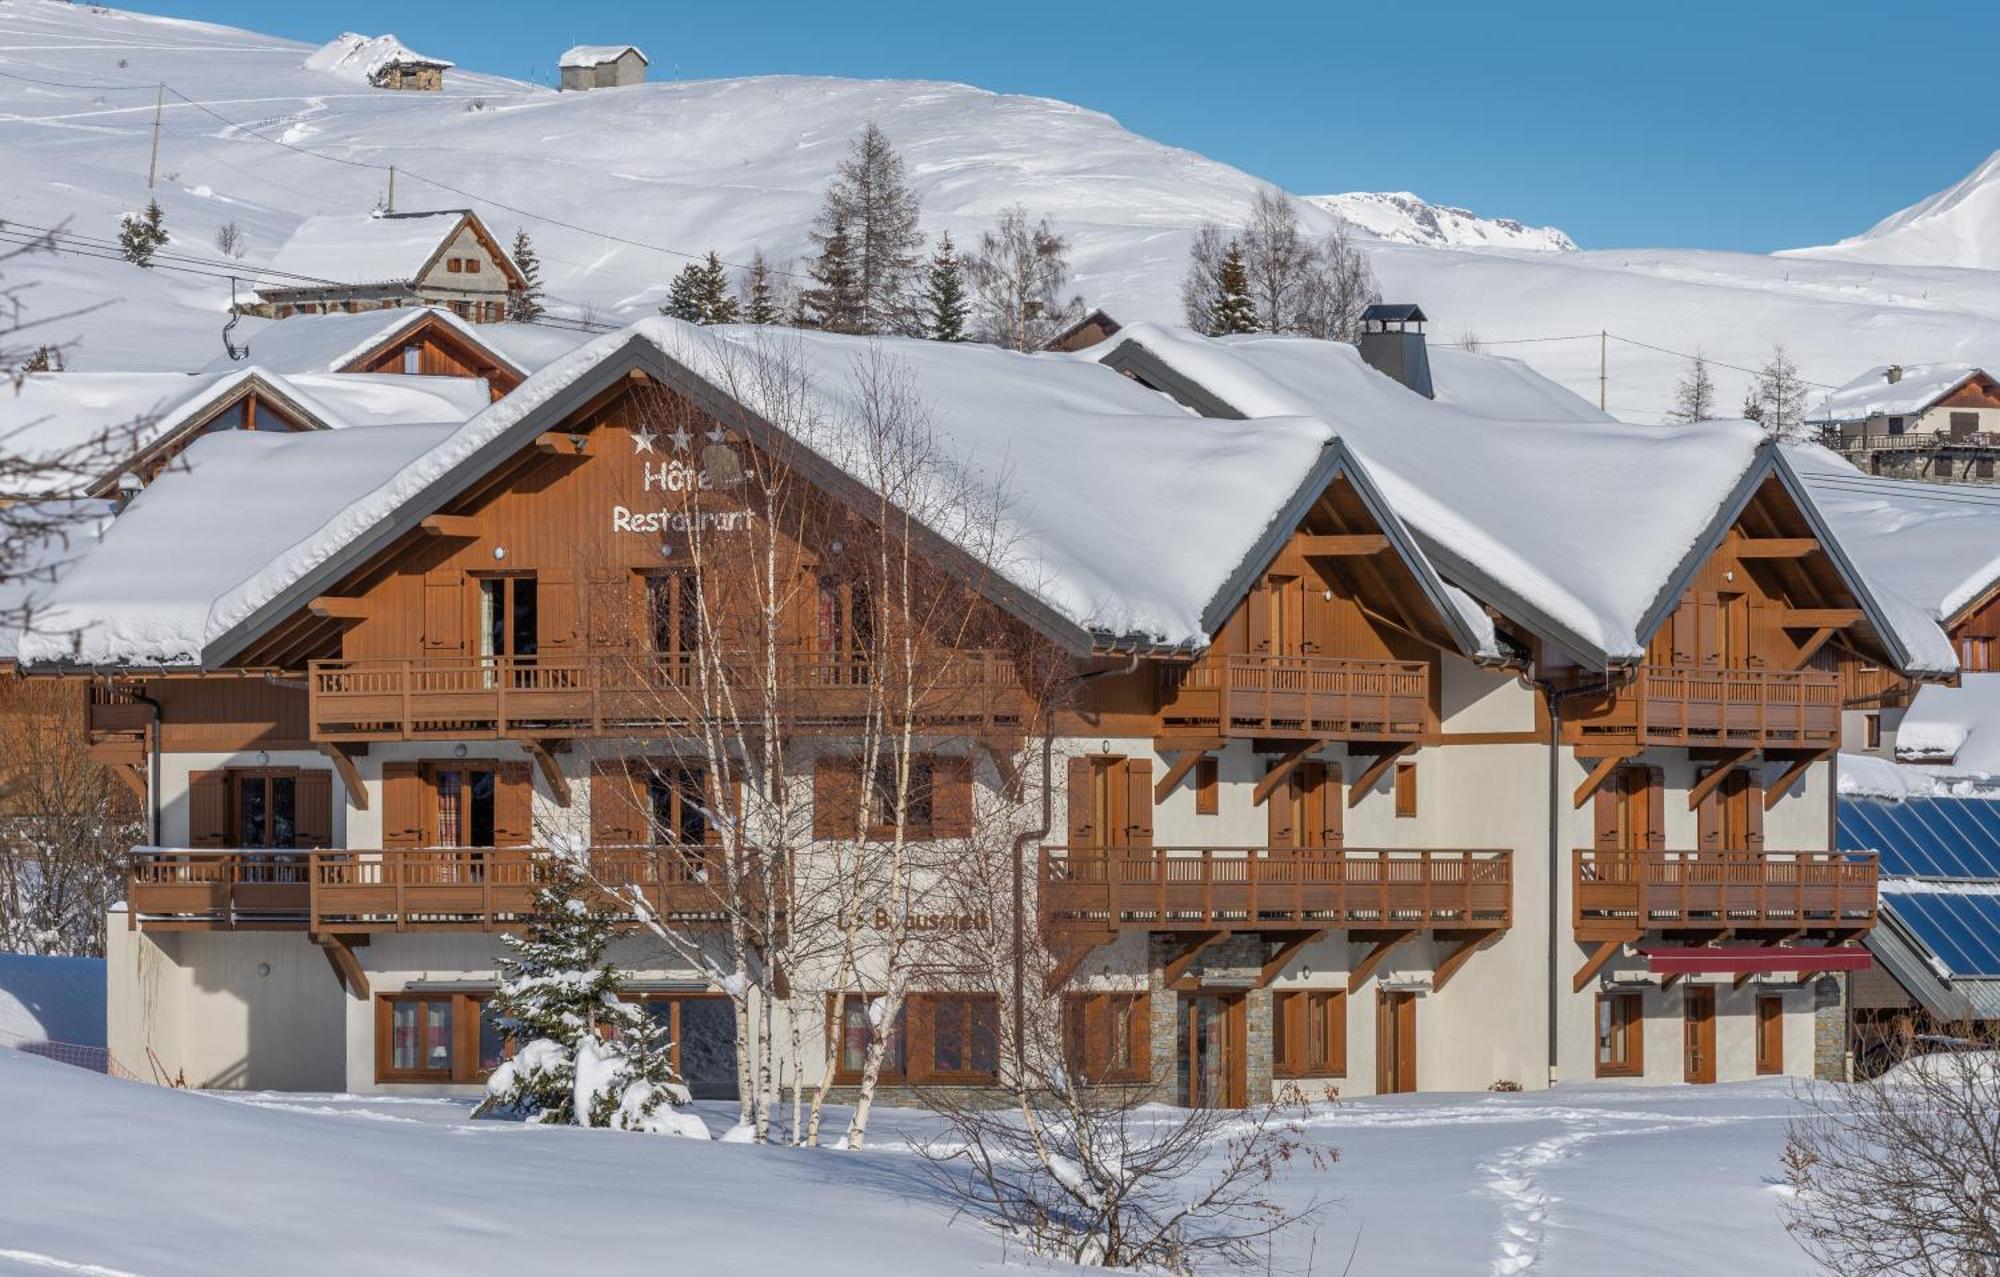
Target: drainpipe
[(153, 770), (1554, 696)]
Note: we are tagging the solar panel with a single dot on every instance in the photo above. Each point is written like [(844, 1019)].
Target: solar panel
[(1925, 837), (1962, 928)]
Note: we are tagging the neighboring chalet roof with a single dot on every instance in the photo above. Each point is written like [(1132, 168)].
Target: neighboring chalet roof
[(360, 249), (1066, 467), (335, 342), (54, 415), (1937, 545), (595, 55), (1504, 389), (361, 58), (1872, 394), (1958, 726), (530, 347), (1582, 533)]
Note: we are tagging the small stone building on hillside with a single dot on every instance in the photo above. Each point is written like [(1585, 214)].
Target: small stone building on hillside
[(378, 261), (1919, 421), (382, 61), (602, 66)]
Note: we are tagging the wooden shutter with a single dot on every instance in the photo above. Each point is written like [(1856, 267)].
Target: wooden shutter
[(614, 610), (1333, 806), (1279, 826), (1406, 789), (313, 794), (722, 809), (1139, 802), (1258, 616), (1312, 812), (1683, 631), (1709, 818), (618, 815), (556, 627), (444, 614), (1751, 796), (1656, 809), (1083, 823), (1708, 629), (951, 797), (513, 805), (403, 793), (836, 797), (1604, 812), (208, 809)]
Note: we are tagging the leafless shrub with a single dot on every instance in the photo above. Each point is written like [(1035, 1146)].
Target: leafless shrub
[(1504, 1086), (1900, 1175), (229, 240)]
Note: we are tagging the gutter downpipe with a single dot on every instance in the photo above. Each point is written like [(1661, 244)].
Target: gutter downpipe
[(1028, 837), (152, 769), (1554, 697)]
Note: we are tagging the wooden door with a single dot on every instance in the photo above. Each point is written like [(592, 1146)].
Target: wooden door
[(1306, 810), (1770, 1035), (1213, 1039), (1395, 1043), (1698, 1034), (1285, 598)]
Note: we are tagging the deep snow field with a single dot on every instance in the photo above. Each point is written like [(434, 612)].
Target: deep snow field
[(104, 1177)]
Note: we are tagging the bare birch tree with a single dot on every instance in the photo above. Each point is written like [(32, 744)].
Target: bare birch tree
[(1296, 284), (1020, 273)]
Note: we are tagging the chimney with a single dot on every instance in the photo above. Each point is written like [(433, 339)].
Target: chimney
[(1392, 342), (1894, 373)]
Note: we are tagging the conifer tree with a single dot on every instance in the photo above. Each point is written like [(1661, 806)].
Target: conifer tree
[(141, 234), (718, 306), (760, 299), (1694, 397), (527, 300), (558, 997), (1232, 310), (944, 294), (872, 209), (833, 302), (684, 299), (1781, 396)]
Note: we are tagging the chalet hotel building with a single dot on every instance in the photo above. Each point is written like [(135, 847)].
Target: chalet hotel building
[(1417, 730)]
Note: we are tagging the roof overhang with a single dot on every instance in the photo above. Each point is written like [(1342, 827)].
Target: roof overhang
[(1739, 960)]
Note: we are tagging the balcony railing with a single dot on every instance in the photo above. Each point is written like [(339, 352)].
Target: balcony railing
[(452, 889), (618, 694), (1623, 894), (113, 709), (1205, 888), (1751, 709), (1303, 697), (1913, 440)]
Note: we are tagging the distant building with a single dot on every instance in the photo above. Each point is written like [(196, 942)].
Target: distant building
[(382, 61), (602, 66), (1918, 421), (1095, 327), (379, 261)]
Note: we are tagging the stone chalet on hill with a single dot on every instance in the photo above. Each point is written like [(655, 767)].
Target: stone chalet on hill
[(378, 261)]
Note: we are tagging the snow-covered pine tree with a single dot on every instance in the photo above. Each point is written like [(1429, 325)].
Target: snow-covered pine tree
[(944, 294), (834, 300), (583, 1057), (526, 304), (759, 300), (684, 299), (1233, 311), (718, 306), (1753, 410), (141, 234), (871, 206), (1694, 397)]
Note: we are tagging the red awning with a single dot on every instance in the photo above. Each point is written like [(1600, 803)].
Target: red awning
[(1737, 961)]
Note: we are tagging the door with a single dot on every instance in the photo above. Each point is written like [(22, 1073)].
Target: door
[(1395, 1043), (1306, 811), (1699, 1034), (1770, 1035), (509, 632), (1285, 600), (1212, 1035)]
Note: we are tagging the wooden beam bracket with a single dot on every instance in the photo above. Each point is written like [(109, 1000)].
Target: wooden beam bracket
[(544, 754), (1184, 762), (1179, 964), (1283, 955), (1599, 774), (1776, 789), (1605, 951), (346, 967), (1375, 770), (462, 526), (1361, 970), (1449, 966), (1342, 545), (350, 774), (1701, 789), (1293, 756)]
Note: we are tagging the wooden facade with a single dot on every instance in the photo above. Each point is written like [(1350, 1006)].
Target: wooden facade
[(431, 348)]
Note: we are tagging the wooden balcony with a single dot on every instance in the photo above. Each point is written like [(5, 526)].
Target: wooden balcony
[(621, 694), (113, 710), (456, 889), (1734, 708), (1098, 889), (1621, 895), (1300, 697)]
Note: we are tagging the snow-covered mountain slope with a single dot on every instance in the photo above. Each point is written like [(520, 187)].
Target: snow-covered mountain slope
[(1403, 218), (1958, 226), (606, 181)]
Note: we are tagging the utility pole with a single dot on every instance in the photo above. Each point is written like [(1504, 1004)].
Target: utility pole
[(392, 188), (153, 164), (1602, 338)]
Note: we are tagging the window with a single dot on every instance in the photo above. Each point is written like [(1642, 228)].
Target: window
[(266, 806), (857, 1031), (1406, 789), (845, 629), (454, 265), (673, 613), (413, 359), (464, 810), (1207, 786), (1895, 425), (1309, 1033), (507, 616), (701, 1031), (917, 802), (1770, 1035), (1108, 1037), (1621, 1021), (964, 1033), (677, 799), (1874, 730), (1975, 654), (472, 265), (436, 1037)]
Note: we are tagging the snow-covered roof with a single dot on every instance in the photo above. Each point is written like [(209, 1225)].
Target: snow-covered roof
[(208, 529), (1578, 529), (66, 530), (360, 248), (361, 58), (329, 343), (1872, 394), (1956, 725), (1503, 388), (530, 347), (1937, 545), (593, 55), (54, 415), (1072, 463)]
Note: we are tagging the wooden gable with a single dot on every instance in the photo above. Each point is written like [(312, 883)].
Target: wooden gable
[(1976, 391), (432, 348)]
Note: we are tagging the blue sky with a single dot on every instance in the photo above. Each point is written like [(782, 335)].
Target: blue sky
[(1752, 125)]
